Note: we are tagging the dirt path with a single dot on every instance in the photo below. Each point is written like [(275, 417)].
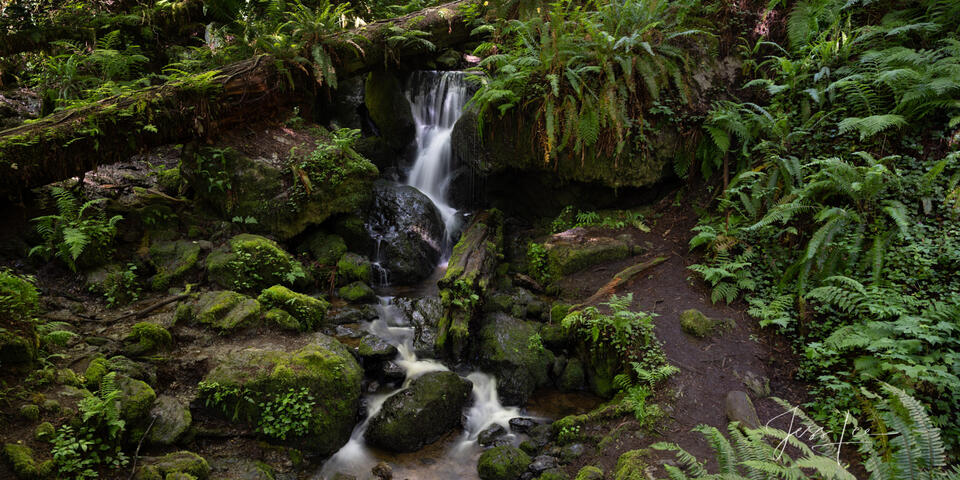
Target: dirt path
[(710, 367)]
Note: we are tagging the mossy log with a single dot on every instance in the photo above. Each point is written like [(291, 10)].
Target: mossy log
[(77, 140), (469, 272)]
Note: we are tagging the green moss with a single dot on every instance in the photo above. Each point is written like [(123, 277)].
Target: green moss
[(136, 398), (172, 261), (254, 263), (148, 472), (150, 337), (696, 323), (554, 474), (44, 431), (18, 337), (169, 179), (308, 311), (631, 466), (30, 412), (96, 369), (179, 476), (282, 319), (227, 311), (357, 292), (502, 463), (573, 376), (389, 109), (352, 267), (182, 462), (558, 312), (590, 473), (21, 461), (326, 249), (565, 258)]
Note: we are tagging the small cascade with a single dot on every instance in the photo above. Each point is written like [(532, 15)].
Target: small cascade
[(355, 458), (436, 101)]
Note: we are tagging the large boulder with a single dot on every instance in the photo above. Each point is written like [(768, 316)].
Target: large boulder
[(172, 421), (308, 312), (222, 310), (173, 260), (505, 350), (251, 263), (578, 249), (324, 367), (282, 185), (409, 229), (420, 414), (502, 463)]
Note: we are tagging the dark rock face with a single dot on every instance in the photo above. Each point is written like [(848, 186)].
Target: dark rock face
[(506, 352), (419, 415), (409, 231)]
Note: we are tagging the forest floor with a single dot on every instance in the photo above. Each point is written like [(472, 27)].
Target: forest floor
[(709, 367)]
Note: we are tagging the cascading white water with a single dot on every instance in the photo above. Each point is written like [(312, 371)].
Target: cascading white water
[(436, 101), (356, 459)]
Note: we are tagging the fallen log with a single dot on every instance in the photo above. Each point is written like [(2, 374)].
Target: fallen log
[(469, 272), (74, 141), (619, 279)]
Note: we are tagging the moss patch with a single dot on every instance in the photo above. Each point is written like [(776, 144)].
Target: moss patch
[(357, 292), (227, 311), (502, 463), (20, 458), (695, 323), (149, 338), (352, 267), (309, 312), (254, 263), (631, 466), (172, 261)]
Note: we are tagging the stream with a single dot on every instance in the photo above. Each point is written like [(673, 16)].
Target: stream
[(437, 100)]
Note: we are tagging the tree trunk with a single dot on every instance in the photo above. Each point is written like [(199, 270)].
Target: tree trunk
[(77, 140)]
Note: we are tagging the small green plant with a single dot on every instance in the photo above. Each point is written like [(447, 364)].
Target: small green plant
[(227, 398), (537, 262), (535, 343), (120, 287), (289, 413), (73, 232), (79, 453), (568, 434)]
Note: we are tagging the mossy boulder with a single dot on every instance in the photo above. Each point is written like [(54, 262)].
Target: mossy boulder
[(374, 348), (30, 412), (182, 462), (24, 465), (324, 366), (309, 312), (695, 323), (389, 109), (325, 248), (420, 414), (136, 399), (352, 267), (502, 463), (173, 418), (573, 376), (590, 472), (505, 351), (99, 366), (251, 263), (173, 261), (577, 249), (147, 338), (631, 465), (357, 292), (283, 320), (226, 311)]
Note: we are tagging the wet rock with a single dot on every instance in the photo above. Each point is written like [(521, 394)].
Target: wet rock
[(424, 315), (251, 263), (541, 435), (420, 414), (382, 471), (502, 463), (324, 366), (410, 230), (759, 385), (543, 463), (326, 249), (529, 447), (357, 292), (572, 452), (224, 311), (352, 267), (490, 434), (351, 314), (590, 472), (695, 323), (739, 408), (172, 421), (505, 351), (374, 348), (136, 399), (348, 331), (173, 261), (573, 376), (173, 463), (389, 109), (308, 312), (522, 424), (575, 250), (392, 371)]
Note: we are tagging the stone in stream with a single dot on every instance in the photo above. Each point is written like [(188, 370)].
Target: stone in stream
[(506, 352), (357, 292), (382, 471), (410, 231), (420, 414), (522, 424), (502, 463), (491, 434), (739, 408), (543, 463), (374, 348)]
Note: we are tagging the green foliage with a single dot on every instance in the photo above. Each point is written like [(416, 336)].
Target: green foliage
[(72, 231), (583, 71), (537, 262), (570, 217), (79, 453), (289, 413), (18, 297), (535, 343), (227, 399), (120, 287)]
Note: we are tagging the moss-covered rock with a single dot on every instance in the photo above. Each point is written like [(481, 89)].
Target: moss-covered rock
[(136, 399), (147, 338), (178, 462), (282, 319), (590, 472), (575, 250), (375, 348), (502, 463), (631, 466), (695, 323), (505, 350), (325, 367), (20, 458), (352, 267), (420, 414), (179, 476), (170, 180), (252, 263), (326, 249), (30, 412), (227, 311), (573, 376), (357, 292), (173, 260), (173, 419), (18, 335), (44, 431), (308, 311), (554, 474), (389, 109)]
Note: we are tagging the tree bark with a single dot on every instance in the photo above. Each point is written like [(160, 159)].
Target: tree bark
[(71, 142)]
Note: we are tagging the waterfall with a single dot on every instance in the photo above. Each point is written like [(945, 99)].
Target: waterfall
[(436, 101)]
